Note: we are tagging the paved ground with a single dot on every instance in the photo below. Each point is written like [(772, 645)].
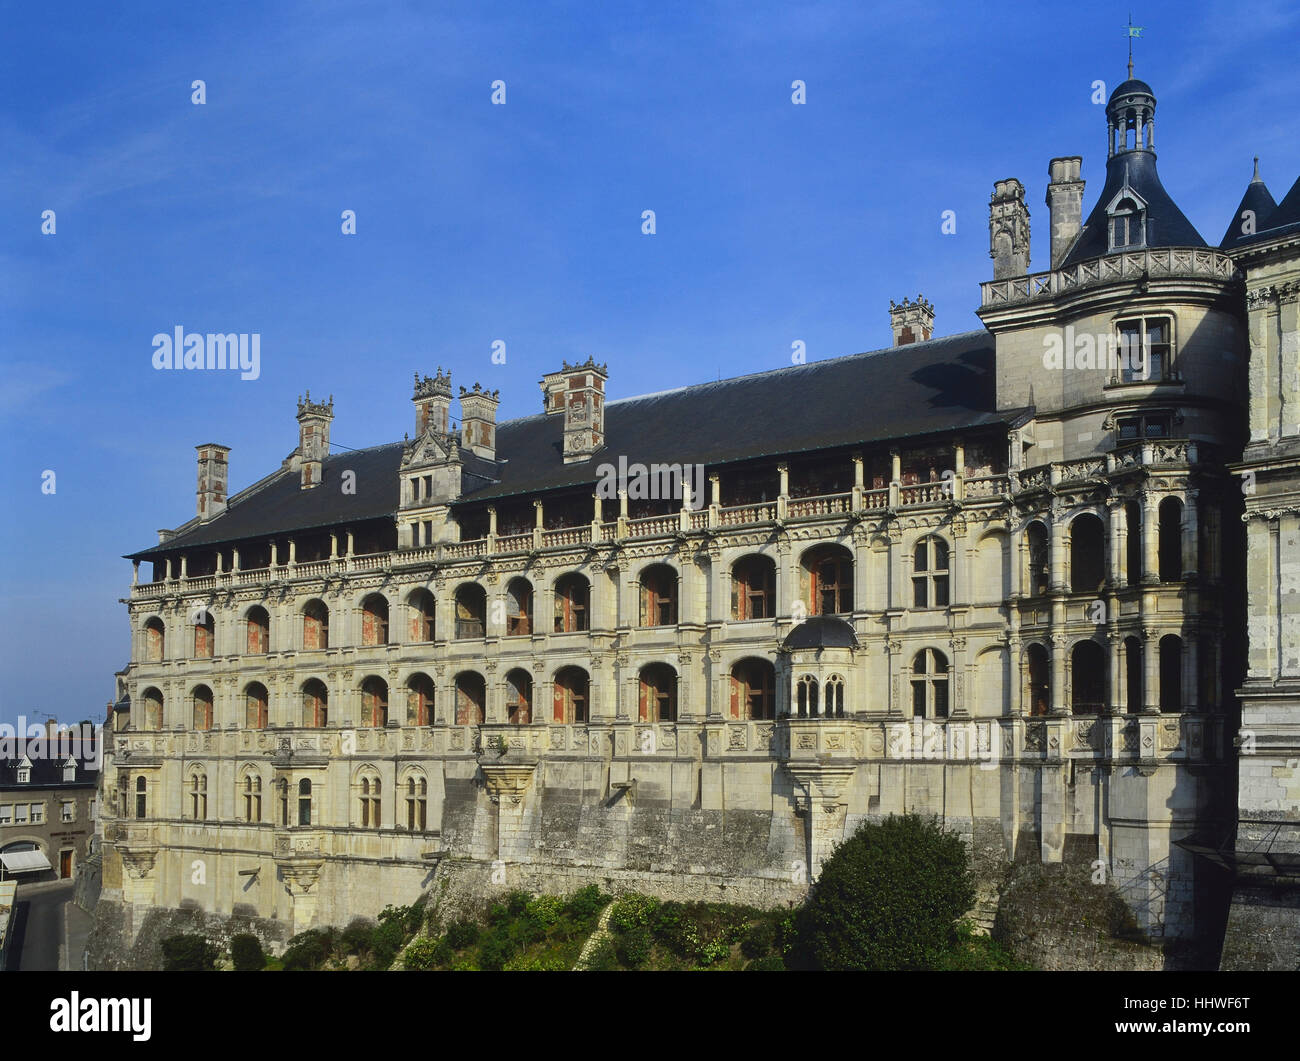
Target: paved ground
[(38, 932)]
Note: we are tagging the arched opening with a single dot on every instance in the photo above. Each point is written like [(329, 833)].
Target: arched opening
[(519, 607), (204, 634), (753, 689), (202, 703), (833, 696), (806, 698), (471, 611), (1039, 676), (155, 640), (1088, 678), (930, 573), (658, 596), (152, 701), (371, 792), (1133, 542), (315, 704), (658, 693), (257, 631), (930, 684), (1087, 554), (1171, 540), (519, 697), (315, 625), (304, 802), (471, 699), (374, 620), (417, 803), (1171, 673), (256, 706), (199, 796), (572, 693), (251, 790), (1133, 673), (827, 572), (374, 702), (419, 700), (1038, 577), (421, 610), (753, 588), (571, 604)]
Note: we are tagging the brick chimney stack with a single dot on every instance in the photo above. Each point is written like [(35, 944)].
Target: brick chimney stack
[(211, 495), (1009, 229), (432, 400), (478, 421), (313, 438), (579, 391), (1064, 204), (913, 322)]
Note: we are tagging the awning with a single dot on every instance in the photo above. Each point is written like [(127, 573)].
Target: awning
[(25, 862)]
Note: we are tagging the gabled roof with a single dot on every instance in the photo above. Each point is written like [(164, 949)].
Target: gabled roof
[(1167, 226), (1259, 201), (923, 388), (47, 772)]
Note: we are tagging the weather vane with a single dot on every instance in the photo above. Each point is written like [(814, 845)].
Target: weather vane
[(1133, 31)]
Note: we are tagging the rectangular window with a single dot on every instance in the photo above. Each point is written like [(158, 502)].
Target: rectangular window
[(7, 814), (38, 813), (67, 811), (20, 813), (1145, 350)]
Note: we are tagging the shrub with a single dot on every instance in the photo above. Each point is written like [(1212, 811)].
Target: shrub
[(422, 954), (462, 934), (386, 937), (633, 946), (188, 954), (771, 964), (584, 904), (604, 958), (888, 897), (759, 940), (356, 937), (545, 911), (495, 950), (632, 911), (517, 902), (308, 950), (246, 953)]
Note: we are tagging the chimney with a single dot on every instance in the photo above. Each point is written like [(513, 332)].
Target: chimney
[(432, 400), (211, 498), (1064, 204), (478, 421), (1009, 229), (313, 437), (579, 389), (913, 322)]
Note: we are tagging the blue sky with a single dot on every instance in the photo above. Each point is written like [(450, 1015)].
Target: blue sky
[(519, 223)]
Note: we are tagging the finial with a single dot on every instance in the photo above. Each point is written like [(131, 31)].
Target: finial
[(1256, 176)]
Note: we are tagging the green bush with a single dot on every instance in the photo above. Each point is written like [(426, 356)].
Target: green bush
[(771, 964), (462, 934), (888, 898), (246, 953), (356, 937), (632, 911), (545, 911), (517, 902), (759, 940), (494, 950), (308, 950), (633, 946), (387, 937), (604, 959), (422, 954), (188, 954), (584, 904)]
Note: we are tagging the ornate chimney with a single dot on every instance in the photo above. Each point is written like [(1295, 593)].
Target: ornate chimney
[(1009, 229), (432, 400), (313, 437), (913, 322), (579, 390), (211, 496), (478, 420), (1064, 204)]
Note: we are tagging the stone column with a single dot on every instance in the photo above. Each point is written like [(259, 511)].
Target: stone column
[(1058, 560), (1150, 537), (1191, 536), (1151, 668), (1115, 522), (1060, 670)]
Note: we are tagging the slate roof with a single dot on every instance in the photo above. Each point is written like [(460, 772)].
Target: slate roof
[(1284, 220), (1258, 199), (922, 388), (46, 773), (1166, 224), (821, 631)]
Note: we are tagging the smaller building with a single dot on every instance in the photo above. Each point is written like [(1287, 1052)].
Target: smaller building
[(48, 806)]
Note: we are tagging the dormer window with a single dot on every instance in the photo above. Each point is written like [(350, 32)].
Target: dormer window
[(24, 775), (1127, 226), (69, 770)]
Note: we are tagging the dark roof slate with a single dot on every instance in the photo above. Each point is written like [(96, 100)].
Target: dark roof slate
[(47, 772), (922, 388), (1257, 199), (821, 631), (1166, 224)]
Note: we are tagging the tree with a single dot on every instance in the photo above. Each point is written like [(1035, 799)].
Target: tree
[(888, 898)]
